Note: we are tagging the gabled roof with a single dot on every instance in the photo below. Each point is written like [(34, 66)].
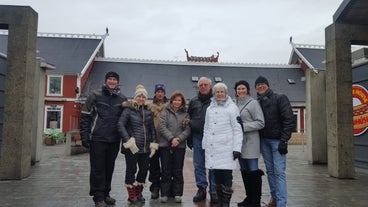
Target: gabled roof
[(70, 53), (313, 56), (178, 76)]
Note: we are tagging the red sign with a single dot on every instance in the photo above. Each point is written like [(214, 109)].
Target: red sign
[(360, 109)]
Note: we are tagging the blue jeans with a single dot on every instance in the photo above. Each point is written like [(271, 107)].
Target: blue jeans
[(200, 168), (248, 164), (275, 167)]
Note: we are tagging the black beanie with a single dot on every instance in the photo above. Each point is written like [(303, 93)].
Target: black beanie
[(242, 82), (261, 79), (111, 74)]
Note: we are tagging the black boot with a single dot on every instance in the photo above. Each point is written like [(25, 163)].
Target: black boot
[(255, 177), (248, 189), (201, 195), (219, 194), (227, 192)]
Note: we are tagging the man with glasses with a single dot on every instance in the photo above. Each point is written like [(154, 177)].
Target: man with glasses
[(197, 112)]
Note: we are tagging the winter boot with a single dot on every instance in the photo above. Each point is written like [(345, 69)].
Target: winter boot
[(155, 192), (271, 203), (227, 192), (219, 194), (132, 192), (255, 178), (139, 189), (201, 195), (247, 187)]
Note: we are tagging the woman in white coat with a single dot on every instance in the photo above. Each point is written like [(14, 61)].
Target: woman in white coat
[(222, 141)]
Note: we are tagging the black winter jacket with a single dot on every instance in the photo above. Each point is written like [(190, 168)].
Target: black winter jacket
[(100, 115), (137, 121), (278, 116), (197, 112)]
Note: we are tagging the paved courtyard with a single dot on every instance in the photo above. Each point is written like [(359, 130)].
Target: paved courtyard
[(60, 180)]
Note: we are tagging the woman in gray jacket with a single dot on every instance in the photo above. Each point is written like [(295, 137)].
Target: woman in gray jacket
[(251, 120), (174, 130)]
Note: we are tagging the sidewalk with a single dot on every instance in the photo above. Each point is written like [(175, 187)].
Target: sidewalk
[(60, 180)]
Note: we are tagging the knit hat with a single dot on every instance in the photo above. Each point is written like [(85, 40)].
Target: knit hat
[(160, 86), (140, 90), (242, 82), (261, 79), (111, 74)]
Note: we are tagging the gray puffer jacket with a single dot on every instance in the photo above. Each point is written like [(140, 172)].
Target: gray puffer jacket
[(174, 124)]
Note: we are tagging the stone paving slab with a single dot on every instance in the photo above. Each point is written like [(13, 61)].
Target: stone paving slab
[(60, 180)]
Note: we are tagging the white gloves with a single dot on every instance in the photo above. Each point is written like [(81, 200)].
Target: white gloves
[(130, 144), (154, 148)]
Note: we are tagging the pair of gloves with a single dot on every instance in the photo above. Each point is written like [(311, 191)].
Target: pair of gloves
[(132, 146)]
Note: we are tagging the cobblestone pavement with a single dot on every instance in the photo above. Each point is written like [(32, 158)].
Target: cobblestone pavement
[(60, 180)]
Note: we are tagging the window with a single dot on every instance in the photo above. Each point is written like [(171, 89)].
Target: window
[(296, 113), (218, 79), (55, 85), (53, 117)]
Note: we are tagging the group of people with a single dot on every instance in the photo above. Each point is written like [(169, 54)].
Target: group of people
[(220, 131)]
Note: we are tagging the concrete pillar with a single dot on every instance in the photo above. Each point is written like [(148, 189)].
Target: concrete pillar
[(38, 110), (21, 22), (316, 116), (339, 106)]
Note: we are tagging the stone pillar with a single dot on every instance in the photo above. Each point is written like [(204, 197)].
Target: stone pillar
[(316, 116), (339, 106), (38, 109), (21, 22)]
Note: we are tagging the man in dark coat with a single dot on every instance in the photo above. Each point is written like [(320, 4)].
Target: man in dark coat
[(98, 129), (279, 124), (197, 112)]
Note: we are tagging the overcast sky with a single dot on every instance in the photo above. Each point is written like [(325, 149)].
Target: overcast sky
[(242, 31)]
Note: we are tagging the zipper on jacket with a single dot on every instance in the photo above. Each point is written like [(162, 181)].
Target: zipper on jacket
[(144, 130)]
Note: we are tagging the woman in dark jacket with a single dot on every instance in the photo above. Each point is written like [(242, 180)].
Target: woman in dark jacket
[(138, 133), (174, 130)]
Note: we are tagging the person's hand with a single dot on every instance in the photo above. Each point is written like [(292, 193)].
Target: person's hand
[(153, 148), (85, 143), (236, 155), (130, 144), (175, 142), (240, 121), (283, 147)]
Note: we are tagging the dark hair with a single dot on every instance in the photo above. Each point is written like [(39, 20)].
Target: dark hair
[(176, 94), (112, 74), (242, 82)]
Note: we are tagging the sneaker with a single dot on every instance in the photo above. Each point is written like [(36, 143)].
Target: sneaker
[(164, 199), (100, 204), (201, 195), (110, 201), (177, 199)]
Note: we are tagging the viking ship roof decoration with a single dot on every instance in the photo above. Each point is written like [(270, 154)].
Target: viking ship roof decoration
[(212, 58)]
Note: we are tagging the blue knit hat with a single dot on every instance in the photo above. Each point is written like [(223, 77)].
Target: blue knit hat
[(160, 86)]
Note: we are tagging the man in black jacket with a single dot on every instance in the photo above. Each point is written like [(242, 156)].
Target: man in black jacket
[(98, 129), (279, 124), (197, 112)]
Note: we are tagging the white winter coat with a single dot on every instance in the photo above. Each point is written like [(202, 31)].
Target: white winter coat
[(222, 135)]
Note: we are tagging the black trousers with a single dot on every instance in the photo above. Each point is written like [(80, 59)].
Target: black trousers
[(155, 171), (131, 162), (224, 177), (102, 161), (172, 179)]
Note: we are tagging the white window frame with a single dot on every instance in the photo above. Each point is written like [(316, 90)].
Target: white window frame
[(59, 108), (48, 85), (297, 113)]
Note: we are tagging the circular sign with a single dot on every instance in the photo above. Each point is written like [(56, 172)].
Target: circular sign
[(360, 109)]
